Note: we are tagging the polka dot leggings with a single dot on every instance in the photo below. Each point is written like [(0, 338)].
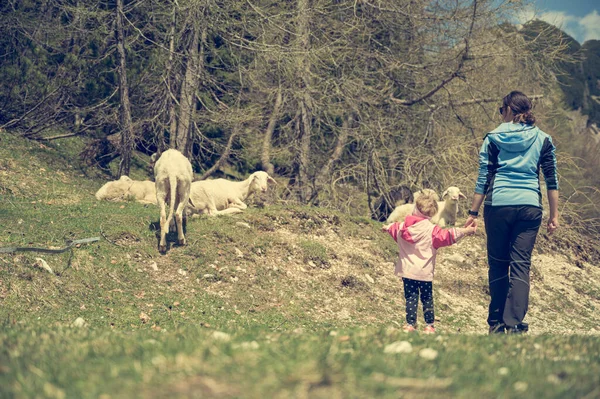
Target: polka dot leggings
[(412, 288)]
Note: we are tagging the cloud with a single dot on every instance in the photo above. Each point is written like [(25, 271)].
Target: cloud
[(591, 26), (581, 28)]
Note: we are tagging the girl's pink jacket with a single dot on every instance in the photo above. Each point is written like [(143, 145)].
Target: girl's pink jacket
[(418, 240)]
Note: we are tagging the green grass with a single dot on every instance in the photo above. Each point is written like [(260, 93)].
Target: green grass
[(258, 362), (152, 322)]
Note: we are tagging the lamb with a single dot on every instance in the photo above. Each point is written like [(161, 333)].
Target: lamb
[(124, 188), (385, 204), (220, 196), (173, 176), (448, 209), (400, 212)]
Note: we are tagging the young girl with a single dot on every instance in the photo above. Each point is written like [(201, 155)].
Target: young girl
[(418, 240)]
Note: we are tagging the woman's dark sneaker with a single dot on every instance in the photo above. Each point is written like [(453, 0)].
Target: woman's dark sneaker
[(497, 328), (521, 328)]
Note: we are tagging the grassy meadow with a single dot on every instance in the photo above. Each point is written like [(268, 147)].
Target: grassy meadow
[(279, 301)]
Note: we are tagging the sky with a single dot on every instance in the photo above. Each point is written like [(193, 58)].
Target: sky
[(579, 18)]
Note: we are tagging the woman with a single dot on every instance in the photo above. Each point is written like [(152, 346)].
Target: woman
[(509, 163)]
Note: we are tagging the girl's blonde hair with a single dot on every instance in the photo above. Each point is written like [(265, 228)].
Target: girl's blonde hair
[(427, 205)]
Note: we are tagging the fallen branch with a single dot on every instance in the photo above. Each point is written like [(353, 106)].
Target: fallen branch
[(48, 250)]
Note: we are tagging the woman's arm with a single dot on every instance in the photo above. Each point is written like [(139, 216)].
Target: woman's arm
[(477, 201), (553, 219)]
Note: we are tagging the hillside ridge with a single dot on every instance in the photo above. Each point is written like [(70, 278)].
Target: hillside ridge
[(323, 264)]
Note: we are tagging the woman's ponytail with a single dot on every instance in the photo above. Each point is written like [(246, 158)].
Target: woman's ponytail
[(526, 117), (520, 106)]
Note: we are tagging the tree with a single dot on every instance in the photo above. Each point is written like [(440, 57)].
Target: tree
[(127, 135)]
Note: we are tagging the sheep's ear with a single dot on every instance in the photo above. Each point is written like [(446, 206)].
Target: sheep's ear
[(271, 180), (461, 195), (153, 157), (444, 194)]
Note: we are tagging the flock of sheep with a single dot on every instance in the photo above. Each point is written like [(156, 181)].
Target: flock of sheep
[(173, 185)]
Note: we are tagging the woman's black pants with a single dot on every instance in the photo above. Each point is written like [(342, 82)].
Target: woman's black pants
[(511, 233)]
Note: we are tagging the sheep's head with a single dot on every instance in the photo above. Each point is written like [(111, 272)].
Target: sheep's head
[(453, 194), (260, 182)]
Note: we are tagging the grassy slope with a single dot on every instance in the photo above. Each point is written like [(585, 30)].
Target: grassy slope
[(306, 297)]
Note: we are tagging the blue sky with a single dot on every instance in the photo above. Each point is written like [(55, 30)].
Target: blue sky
[(579, 18)]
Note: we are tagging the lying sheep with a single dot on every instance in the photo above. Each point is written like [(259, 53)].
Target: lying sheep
[(125, 188), (386, 204), (448, 209), (173, 176), (220, 196)]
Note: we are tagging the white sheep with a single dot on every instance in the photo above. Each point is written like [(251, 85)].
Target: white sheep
[(173, 176), (448, 209), (125, 188), (400, 212), (221, 196)]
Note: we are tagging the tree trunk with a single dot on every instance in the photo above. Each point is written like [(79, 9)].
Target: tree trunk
[(169, 82), (304, 100), (187, 101), (127, 139), (304, 156), (224, 154), (325, 172), (266, 149)]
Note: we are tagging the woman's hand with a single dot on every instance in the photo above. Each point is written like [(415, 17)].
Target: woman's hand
[(386, 227), (471, 222), (552, 224)]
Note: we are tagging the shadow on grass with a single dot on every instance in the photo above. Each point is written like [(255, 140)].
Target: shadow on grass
[(171, 235)]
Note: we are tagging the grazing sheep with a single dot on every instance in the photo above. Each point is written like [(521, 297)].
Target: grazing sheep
[(386, 204), (220, 196), (124, 188), (448, 209), (173, 176)]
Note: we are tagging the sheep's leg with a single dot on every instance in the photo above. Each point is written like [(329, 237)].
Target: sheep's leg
[(164, 228), (179, 221), (227, 211), (238, 204), (184, 199)]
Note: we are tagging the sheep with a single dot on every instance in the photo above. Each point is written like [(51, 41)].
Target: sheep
[(400, 212), (387, 203), (173, 176), (124, 188), (220, 196), (448, 209)]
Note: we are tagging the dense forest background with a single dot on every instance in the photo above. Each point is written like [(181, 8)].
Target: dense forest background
[(339, 98)]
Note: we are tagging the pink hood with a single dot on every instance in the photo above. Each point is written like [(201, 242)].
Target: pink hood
[(418, 240)]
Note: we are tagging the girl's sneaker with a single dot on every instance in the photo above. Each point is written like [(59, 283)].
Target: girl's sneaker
[(429, 329), (409, 328)]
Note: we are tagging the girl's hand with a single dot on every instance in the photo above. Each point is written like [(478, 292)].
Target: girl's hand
[(470, 230), (471, 221), (386, 227)]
